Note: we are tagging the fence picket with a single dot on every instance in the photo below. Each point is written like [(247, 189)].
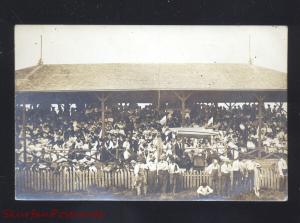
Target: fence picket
[(85, 179), (125, 179), (29, 180), (118, 185), (122, 178), (115, 179), (43, 180), (100, 179), (109, 179), (277, 181), (33, 180), (269, 179), (26, 178), (187, 180), (265, 179)]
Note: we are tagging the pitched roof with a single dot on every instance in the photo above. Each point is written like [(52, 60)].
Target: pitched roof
[(128, 77)]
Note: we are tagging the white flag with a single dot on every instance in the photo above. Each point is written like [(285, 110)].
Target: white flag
[(163, 120), (210, 121)]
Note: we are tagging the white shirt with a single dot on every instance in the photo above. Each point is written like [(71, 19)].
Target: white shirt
[(212, 167), (126, 145), (173, 168), (232, 145), (152, 166), (250, 165), (126, 155), (225, 168), (163, 165), (235, 154), (85, 147), (204, 190), (169, 152), (78, 145), (250, 145), (282, 165), (138, 167), (236, 165)]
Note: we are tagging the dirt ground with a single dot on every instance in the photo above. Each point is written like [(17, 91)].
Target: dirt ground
[(117, 195)]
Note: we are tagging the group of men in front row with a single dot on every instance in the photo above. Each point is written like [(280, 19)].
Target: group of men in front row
[(226, 178), (161, 176)]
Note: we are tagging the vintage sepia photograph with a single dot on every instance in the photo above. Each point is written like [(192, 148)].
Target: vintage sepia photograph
[(151, 113)]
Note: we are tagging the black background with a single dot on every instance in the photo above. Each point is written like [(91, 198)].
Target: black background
[(200, 12)]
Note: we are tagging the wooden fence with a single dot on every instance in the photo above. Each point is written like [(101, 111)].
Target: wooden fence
[(75, 181), (269, 179)]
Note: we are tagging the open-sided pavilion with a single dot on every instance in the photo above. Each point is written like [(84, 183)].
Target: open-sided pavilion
[(175, 84)]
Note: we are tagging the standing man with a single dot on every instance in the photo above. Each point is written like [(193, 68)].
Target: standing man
[(174, 175), (163, 174), (250, 165), (236, 175), (152, 174), (214, 171), (225, 177), (158, 144), (243, 175), (140, 178), (282, 170), (257, 178), (126, 144)]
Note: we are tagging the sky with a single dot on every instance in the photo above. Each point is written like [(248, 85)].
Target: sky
[(70, 44)]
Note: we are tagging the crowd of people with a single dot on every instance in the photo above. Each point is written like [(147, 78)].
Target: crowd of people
[(142, 139)]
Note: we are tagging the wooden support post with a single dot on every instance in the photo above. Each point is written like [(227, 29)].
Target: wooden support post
[(103, 99), (24, 133), (103, 117), (183, 99), (260, 117), (158, 100), (183, 108)]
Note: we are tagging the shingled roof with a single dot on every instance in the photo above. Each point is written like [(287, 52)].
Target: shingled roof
[(130, 77)]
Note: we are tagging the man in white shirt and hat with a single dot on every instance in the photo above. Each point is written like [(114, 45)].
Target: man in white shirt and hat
[(140, 177), (257, 178), (250, 165), (163, 174), (236, 174), (225, 177), (174, 174), (152, 174), (282, 170), (214, 171)]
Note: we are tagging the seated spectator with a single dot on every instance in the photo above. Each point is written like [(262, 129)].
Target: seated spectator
[(204, 190)]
